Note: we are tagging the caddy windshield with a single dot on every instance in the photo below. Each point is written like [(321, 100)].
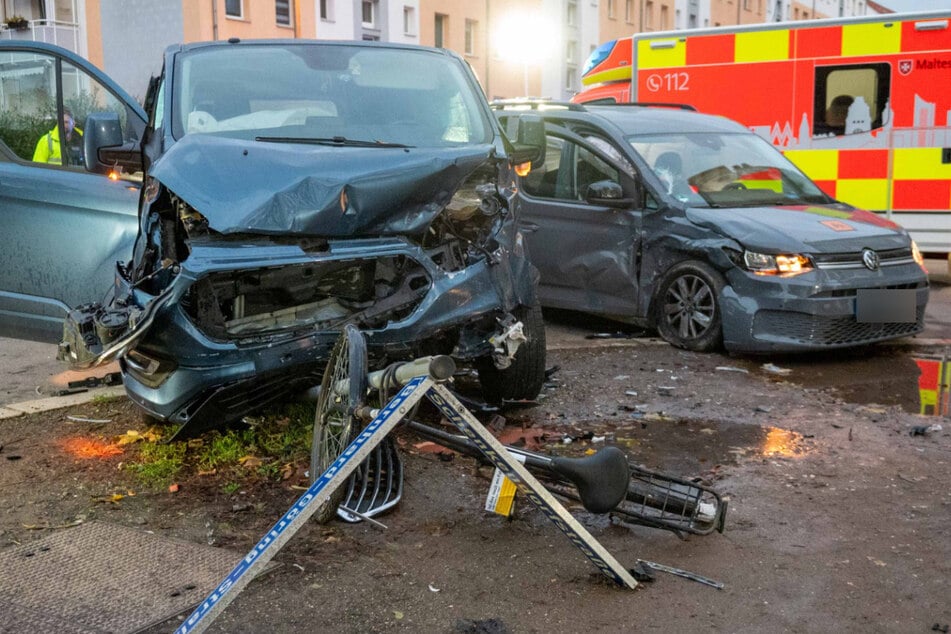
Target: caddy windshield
[(341, 95), (725, 170)]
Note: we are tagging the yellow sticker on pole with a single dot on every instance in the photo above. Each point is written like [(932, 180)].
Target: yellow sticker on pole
[(501, 497)]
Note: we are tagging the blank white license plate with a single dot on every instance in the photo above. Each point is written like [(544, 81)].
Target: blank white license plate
[(885, 306)]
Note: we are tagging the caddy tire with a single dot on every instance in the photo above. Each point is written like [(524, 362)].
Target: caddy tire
[(687, 311)]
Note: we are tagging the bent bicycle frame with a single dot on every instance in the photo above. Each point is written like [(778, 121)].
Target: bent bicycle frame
[(382, 424)]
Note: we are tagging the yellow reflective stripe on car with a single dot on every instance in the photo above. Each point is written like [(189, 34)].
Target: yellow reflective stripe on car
[(865, 193), (819, 165), (871, 39), (661, 53), (761, 46)]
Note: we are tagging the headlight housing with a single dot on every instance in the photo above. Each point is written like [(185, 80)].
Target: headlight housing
[(916, 254), (782, 265)]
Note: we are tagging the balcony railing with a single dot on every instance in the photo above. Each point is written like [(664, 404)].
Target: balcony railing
[(65, 34)]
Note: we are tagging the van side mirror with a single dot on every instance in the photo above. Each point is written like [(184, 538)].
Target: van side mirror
[(104, 147), (529, 145)]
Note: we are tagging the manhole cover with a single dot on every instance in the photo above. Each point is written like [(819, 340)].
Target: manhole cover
[(105, 578)]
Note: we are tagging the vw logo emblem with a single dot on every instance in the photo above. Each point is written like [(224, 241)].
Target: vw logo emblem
[(870, 259)]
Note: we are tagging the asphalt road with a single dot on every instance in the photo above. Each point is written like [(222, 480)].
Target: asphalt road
[(30, 369)]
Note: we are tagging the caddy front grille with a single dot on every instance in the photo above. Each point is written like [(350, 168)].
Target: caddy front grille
[(819, 330)]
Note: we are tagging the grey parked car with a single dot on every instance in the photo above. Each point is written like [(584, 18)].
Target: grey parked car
[(691, 224), (288, 188)]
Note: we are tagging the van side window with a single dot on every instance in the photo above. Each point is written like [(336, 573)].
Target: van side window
[(850, 99)]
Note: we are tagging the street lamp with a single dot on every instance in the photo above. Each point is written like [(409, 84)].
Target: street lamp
[(526, 38)]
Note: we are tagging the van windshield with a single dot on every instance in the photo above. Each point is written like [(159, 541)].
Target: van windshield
[(724, 170), (346, 95)]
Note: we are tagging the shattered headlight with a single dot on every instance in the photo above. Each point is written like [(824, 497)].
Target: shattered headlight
[(783, 265)]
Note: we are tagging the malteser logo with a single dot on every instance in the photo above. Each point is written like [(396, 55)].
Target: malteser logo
[(905, 66)]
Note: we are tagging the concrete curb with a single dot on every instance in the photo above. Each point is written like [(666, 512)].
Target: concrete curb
[(57, 402)]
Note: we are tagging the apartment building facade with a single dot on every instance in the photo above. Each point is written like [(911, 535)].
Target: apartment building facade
[(516, 47)]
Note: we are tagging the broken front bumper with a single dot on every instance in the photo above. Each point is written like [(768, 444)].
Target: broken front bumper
[(241, 325)]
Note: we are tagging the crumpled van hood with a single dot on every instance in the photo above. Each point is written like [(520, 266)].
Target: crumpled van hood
[(807, 228), (287, 188)]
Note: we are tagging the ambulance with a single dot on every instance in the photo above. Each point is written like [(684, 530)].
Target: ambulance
[(861, 105)]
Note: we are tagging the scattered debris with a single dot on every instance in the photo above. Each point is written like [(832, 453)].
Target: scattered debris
[(938, 627), (765, 409), (630, 393), (642, 573), (731, 368), (173, 488), (923, 430), (665, 390), (550, 372), (775, 369), (113, 378), (686, 574), (496, 423), (614, 335), (79, 419), (433, 589)]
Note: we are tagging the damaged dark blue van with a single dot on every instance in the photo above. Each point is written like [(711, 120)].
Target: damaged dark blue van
[(291, 188)]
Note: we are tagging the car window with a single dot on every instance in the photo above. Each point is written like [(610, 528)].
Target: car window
[(28, 99), (30, 129), (724, 170), (403, 96), (568, 170)]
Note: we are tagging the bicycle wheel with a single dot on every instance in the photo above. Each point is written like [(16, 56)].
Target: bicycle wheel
[(342, 389)]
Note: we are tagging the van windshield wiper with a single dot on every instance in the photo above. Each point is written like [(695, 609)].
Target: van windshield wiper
[(334, 141)]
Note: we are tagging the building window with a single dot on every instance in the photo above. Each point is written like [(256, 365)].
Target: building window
[(570, 49), (233, 9), (664, 18), (369, 14), (571, 17), (611, 9), (649, 16), (439, 35), (629, 11), (409, 20), (282, 10), (571, 78), (326, 10), (471, 26)]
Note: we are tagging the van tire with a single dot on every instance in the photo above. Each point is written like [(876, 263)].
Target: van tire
[(523, 379)]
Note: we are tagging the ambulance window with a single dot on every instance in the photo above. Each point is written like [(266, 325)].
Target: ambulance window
[(850, 99)]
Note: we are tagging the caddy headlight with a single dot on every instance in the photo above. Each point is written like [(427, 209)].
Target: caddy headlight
[(783, 265), (916, 254)]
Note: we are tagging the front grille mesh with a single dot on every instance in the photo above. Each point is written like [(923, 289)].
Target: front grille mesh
[(818, 330)]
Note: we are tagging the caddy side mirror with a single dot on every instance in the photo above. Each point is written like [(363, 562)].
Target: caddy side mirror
[(608, 194)]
